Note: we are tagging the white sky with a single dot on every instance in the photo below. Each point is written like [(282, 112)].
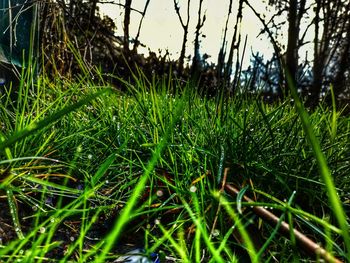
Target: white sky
[(161, 27)]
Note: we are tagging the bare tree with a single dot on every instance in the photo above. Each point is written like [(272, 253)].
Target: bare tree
[(292, 46), (185, 29), (200, 23), (295, 10), (222, 53), (276, 46), (341, 78), (330, 20), (127, 13), (318, 56), (136, 41), (331, 49), (236, 40)]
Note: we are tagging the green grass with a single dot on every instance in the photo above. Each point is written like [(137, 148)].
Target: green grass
[(86, 169)]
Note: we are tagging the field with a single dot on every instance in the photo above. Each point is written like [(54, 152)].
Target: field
[(89, 172)]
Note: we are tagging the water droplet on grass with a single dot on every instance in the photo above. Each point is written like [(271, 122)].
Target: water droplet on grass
[(193, 189), (79, 149), (216, 232)]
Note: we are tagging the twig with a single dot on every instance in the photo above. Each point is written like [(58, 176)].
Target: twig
[(304, 242)]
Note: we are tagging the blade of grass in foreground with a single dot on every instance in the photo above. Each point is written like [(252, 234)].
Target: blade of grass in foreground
[(139, 188), (333, 197), (249, 246), (35, 126)]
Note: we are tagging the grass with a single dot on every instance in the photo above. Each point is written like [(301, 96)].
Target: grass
[(86, 169)]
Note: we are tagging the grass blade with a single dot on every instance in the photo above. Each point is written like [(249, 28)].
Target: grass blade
[(333, 197), (33, 127)]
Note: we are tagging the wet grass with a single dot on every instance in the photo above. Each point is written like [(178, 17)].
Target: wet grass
[(86, 170)]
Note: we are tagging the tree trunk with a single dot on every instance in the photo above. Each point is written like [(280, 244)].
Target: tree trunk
[(222, 52), (183, 51), (339, 84), (127, 9), (318, 64), (195, 61), (234, 44), (185, 29), (292, 48)]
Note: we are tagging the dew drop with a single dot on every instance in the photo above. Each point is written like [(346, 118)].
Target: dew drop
[(193, 189), (79, 149), (216, 232), (42, 230)]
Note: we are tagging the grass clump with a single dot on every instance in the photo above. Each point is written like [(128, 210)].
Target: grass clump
[(86, 170)]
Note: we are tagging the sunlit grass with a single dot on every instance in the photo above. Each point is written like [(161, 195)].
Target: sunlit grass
[(85, 167)]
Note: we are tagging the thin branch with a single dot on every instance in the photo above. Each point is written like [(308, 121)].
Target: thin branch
[(137, 42), (304, 242), (122, 5), (272, 39)]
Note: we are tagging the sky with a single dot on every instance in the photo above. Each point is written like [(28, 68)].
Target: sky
[(161, 27)]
